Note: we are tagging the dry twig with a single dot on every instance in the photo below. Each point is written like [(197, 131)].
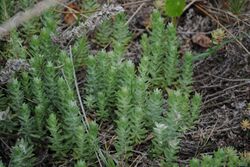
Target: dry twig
[(201, 8), (70, 34), (22, 17)]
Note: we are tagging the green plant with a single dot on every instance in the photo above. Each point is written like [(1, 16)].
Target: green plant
[(39, 97), (155, 109), (42, 44), (155, 41), (104, 33), (80, 163), (174, 8), (26, 84), (124, 144), (145, 64), (67, 69), (180, 116), (90, 5), (15, 47), (80, 150), (155, 97), (16, 95), (166, 141), (38, 92), (56, 138), (40, 113), (71, 122), (121, 33), (26, 3), (138, 107), (46, 89), (22, 155), (6, 11), (64, 94), (196, 103), (8, 121), (160, 64), (138, 114), (102, 69), (27, 123), (237, 6), (101, 84), (1, 164), (160, 67), (50, 84), (92, 83), (92, 141), (80, 51), (222, 157), (171, 66), (138, 130), (37, 62), (186, 78)]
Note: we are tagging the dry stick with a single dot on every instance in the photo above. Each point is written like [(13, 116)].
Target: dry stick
[(203, 10), (129, 20), (190, 4), (8, 147), (136, 2), (230, 14), (210, 134), (227, 79), (78, 92), (217, 93), (70, 34), (22, 17), (86, 124)]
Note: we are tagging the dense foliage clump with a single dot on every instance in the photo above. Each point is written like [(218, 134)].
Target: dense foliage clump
[(40, 107)]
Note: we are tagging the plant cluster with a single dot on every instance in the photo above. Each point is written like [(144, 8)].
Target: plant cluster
[(222, 157), (136, 93), (42, 107), (10, 7), (40, 113), (237, 6), (113, 31)]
